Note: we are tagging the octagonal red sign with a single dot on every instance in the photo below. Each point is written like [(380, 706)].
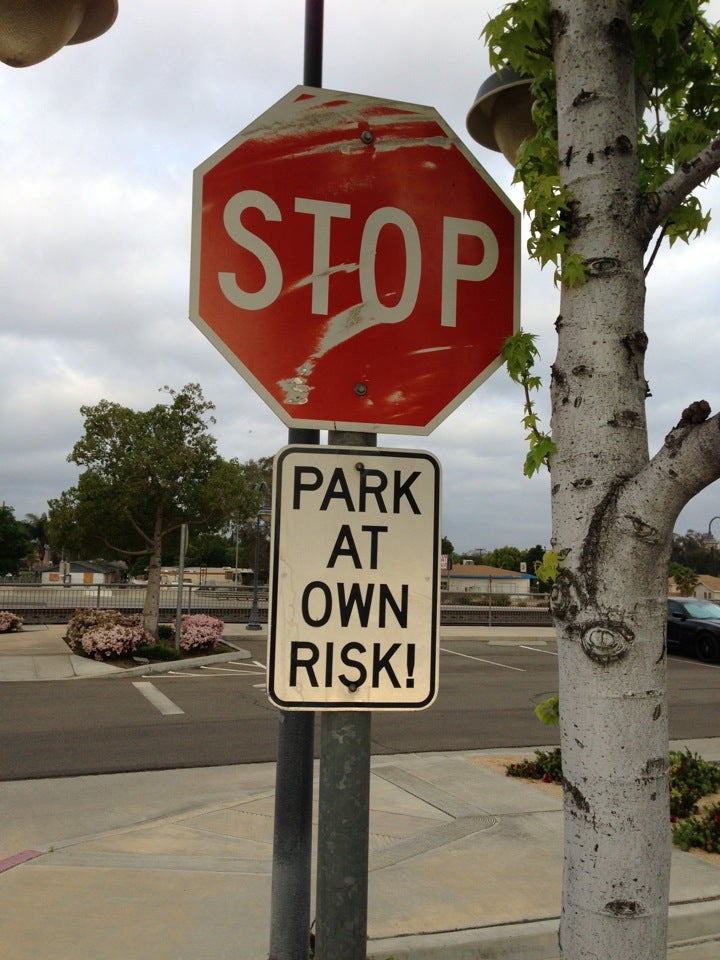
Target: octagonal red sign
[(354, 262)]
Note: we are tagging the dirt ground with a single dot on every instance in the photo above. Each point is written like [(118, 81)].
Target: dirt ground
[(498, 762)]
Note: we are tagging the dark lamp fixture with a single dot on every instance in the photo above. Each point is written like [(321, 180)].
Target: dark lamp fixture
[(265, 510), (501, 117), (709, 540), (33, 30)]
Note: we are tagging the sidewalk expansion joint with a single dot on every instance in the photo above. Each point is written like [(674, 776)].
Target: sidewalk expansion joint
[(436, 837), (425, 791)]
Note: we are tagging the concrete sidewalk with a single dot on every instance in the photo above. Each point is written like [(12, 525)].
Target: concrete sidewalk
[(39, 652), (464, 862)]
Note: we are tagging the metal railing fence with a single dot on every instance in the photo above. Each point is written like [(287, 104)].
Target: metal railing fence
[(56, 604)]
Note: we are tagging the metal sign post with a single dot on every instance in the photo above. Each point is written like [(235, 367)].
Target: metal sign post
[(184, 537), (292, 825), (354, 591)]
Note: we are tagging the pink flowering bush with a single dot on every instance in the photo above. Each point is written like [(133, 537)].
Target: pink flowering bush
[(84, 620), (199, 632), (102, 634), (10, 622), (115, 641)]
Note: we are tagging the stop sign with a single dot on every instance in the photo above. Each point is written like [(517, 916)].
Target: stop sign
[(354, 262)]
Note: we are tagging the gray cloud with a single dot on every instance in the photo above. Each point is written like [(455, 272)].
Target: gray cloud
[(97, 148)]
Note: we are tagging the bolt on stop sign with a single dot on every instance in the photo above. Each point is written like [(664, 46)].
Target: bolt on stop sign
[(354, 262)]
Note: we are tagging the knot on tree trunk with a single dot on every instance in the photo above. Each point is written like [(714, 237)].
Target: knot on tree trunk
[(697, 412)]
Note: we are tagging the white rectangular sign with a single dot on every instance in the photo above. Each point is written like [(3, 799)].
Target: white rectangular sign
[(354, 580)]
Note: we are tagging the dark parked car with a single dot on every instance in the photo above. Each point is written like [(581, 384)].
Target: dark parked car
[(694, 627)]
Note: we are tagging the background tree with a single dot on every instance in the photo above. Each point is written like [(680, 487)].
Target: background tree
[(685, 579), (16, 544), (36, 526), (691, 550), (476, 555), (237, 538), (147, 473), (447, 549), (627, 109)]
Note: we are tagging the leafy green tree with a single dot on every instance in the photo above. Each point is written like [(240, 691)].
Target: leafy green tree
[(16, 545), (207, 549), (447, 546), (535, 556), (685, 579), (147, 473), (627, 111), (506, 558), (237, 538), (36, 526)]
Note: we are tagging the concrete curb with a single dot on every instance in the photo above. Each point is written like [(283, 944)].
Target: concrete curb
[(690, 924), (166, 666), (525, 940)]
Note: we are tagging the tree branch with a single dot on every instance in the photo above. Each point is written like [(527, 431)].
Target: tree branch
[(139, 530), (681, 184), (688, 461)]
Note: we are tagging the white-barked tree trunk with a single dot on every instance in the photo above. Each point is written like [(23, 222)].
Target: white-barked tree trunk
[(613, 507)]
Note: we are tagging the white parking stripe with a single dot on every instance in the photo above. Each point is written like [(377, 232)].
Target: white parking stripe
[(550, 653), (493, 663), (158, 700), (240, 673)]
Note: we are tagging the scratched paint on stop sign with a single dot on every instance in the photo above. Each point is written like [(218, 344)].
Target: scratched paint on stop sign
[(352, 264)]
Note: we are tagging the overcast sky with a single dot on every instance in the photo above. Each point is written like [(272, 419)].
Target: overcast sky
[(97, 149)]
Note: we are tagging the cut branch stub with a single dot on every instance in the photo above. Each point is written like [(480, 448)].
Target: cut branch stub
[(606, 642)]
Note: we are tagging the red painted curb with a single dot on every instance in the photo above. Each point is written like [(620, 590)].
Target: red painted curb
[(18, 858)]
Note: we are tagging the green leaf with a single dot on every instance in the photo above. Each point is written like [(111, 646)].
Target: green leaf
[(548, 711), (541, 449), (677, 57), (548, 569)]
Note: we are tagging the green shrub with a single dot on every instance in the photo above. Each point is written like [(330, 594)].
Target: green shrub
[(546, 766), (702, 831), (691, 778), (158, 652)]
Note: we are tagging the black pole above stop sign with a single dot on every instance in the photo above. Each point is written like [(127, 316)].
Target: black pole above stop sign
[(292, 831), (312, 63)]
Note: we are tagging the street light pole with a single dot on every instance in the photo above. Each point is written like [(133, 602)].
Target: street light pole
[(237, 548), (264, 511), (710, 541), (292, 833)]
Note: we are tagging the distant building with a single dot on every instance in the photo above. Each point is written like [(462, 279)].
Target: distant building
[(708, 588), (478, 578), (84, 572), (201, 576)]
